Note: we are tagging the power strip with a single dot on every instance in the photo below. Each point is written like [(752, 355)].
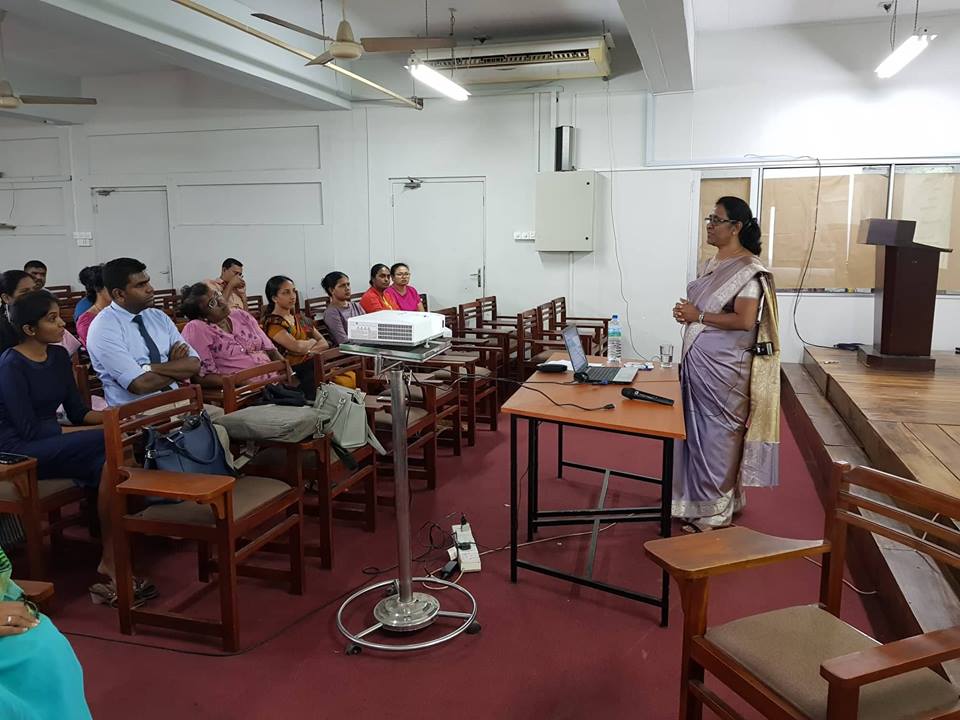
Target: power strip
[(469, 556)]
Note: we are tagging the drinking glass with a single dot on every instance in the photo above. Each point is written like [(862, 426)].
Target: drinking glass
[(666, 355)]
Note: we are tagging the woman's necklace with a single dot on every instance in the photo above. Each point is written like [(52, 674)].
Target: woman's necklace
[(226, 325)]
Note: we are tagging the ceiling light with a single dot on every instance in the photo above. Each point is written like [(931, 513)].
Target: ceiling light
[(901, 57), (442, 84)]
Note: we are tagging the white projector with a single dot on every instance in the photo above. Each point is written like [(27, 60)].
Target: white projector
[(395, 327)]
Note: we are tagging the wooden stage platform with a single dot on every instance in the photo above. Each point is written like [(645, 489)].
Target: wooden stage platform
[(903, 423)]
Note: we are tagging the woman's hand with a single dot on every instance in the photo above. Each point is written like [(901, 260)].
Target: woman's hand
[(685, 312), (16, 618)]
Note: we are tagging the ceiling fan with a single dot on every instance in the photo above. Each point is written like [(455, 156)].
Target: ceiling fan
[(10, 100), (345, 47)]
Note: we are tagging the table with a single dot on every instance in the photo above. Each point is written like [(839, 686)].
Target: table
[(628, 417)]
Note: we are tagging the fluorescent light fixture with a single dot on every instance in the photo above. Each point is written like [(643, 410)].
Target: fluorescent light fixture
[(442, 84), (903, 55)]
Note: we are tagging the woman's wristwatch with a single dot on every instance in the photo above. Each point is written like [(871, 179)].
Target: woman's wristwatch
[(700, 319)]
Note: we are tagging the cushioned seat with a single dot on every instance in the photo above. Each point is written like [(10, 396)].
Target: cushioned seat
[(785, 648), (382, 418), (543, 356), (416, 392), (46, 487), (249, 494), (446, 375), (278, 456)]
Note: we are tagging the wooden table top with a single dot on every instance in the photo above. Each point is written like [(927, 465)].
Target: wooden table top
[(629, 416)]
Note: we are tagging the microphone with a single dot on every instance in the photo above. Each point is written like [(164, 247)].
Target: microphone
[(634, 394)]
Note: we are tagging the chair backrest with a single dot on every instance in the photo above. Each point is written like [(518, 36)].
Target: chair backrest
[(123, 424), (488, 307), (527, 330), (357, 295), (255, 305), (471, 315), (876, 501), (547, 320), (60, 292), (333, 362), (242, 389), (81, 377), (451, 318), (315, 307), (423, 299), (559, 312)]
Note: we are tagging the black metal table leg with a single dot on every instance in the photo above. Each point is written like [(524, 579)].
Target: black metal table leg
[(666, 500), (533, 473), (514, 498)]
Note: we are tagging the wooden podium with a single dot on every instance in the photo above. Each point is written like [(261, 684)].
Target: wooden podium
[(906, 295)]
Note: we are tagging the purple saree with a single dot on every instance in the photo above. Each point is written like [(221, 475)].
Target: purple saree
[(730, 398)]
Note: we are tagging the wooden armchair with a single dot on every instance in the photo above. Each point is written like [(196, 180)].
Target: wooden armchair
[(245, 387), (60, 292), (38, 504), (38, 592), (315, 307), (342, 493), (255, 305), (595, 327), (472, 325), (236, 516), (535, 344), (804, 662)]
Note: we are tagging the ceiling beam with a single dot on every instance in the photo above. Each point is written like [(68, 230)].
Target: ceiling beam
[(191, 41), (662, 32)]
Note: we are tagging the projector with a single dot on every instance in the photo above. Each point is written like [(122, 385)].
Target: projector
[(395, 327)]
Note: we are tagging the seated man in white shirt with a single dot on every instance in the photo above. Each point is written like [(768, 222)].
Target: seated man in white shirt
[(135, 348)]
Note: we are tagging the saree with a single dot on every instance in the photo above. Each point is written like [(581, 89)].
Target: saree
[(731, 399), (40, 678)]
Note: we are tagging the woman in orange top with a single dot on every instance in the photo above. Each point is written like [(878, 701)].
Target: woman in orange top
[(374, 299), (297, 340)]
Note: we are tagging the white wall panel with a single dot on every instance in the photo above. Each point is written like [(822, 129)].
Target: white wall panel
[(254, 204), (292, 148), (598, 143), (54, 250), (30, 157), (35, 208)]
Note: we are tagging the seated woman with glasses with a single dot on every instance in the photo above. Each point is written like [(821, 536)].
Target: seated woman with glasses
[(226, 340), (297, 340), (374, 299), (403, 295)]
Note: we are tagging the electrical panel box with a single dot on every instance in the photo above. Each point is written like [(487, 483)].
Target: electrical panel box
[(566, 203)]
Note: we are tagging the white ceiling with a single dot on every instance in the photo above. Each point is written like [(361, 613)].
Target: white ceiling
[(719, 15)]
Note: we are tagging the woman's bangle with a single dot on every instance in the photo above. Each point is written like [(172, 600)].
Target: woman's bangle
[(700, 319)]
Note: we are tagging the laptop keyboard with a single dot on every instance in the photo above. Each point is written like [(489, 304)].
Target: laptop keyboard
[(602, 374)]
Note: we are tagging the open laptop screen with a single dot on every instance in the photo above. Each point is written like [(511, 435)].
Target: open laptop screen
[(578, 359)]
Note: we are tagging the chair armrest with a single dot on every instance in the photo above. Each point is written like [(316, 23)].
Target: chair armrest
[(174, 485), (895, 658), (721, 551), (36, 591), (8, 472)]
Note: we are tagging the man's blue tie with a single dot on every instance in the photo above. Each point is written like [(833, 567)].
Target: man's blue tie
[(152, 350)]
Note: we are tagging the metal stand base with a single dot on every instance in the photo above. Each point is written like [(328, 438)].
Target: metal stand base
[(403, 611), (405, 617)]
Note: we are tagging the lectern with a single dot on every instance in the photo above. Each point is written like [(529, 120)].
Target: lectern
[(906, 295)]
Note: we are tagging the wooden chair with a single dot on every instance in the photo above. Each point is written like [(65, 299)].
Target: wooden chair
[(315, 307), (255, 305), (535, 344), (311, 461), (595, 327), (472, 325), (804, 662), (38, 504), (237, 516), (60, 292), (38, 592)]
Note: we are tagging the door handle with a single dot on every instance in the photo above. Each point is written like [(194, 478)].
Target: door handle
[(479, 276)]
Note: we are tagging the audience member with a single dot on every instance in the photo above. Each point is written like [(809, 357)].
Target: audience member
[(226, 340), (294, 338), (86, 279), (374, 299), (14, 284), (341, 307), (35, 378), (38, 271), (40, 677), (402, 294), (231, 284), (135, 348), (101, 300)]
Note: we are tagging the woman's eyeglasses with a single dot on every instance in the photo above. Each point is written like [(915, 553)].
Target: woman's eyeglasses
[(716, 220), (215, 300)]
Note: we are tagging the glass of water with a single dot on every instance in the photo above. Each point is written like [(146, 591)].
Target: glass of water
[(666, 355)]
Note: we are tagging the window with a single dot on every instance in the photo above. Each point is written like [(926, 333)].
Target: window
[(788, 202), (712, 188), (930, 194)]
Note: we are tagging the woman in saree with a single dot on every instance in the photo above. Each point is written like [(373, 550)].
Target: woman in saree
[(729, 377)]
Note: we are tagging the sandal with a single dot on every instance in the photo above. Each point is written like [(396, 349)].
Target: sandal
[(105, 593)]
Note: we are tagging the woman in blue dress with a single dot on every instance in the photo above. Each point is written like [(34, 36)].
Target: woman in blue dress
[(40, 678), (36, 377)]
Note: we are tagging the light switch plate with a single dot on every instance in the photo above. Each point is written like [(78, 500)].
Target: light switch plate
[(84, 239)]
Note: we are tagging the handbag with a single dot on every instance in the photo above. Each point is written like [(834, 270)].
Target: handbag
[(194, 447), (343, 417), (279, 394)]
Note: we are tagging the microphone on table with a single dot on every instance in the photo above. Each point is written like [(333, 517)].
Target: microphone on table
[(634, 394)]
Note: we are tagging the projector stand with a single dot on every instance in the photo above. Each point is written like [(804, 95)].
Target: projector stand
[(403, 610)]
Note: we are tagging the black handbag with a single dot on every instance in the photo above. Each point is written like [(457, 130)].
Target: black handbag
[(278, 394), (194, 447)]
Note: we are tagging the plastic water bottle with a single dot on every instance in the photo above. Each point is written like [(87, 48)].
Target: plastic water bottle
[(614, 341)]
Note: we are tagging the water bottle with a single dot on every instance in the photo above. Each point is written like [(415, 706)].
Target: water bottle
[(614, 341)]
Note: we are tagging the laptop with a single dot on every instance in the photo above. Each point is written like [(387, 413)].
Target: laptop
[(581, 368)]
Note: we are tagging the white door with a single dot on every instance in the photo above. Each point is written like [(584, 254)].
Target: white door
[(438, 230), (133, 222)]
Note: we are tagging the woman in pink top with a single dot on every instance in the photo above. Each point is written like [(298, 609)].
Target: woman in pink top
[(226, 340), (402, 293), (95, 277)]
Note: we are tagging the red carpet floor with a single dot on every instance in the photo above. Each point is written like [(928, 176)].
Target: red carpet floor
[(548, 649)]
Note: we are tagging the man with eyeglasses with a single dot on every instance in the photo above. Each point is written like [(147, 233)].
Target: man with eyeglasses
[(231, 284)]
